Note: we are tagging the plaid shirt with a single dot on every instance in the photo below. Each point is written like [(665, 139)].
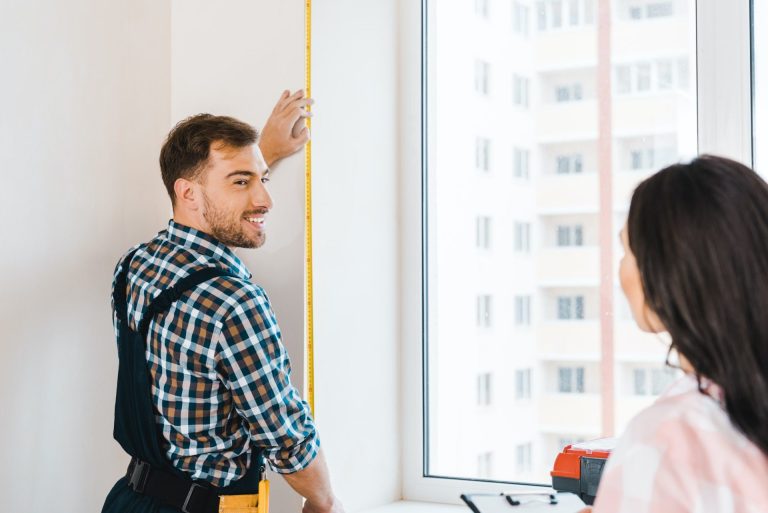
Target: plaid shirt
[(220, 374)]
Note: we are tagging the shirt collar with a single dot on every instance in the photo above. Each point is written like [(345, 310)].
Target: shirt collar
[(208, 246)]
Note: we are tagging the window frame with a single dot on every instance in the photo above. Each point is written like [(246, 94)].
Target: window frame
[(724, 86)]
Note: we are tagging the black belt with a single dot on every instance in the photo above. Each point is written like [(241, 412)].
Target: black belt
[(170, 489)]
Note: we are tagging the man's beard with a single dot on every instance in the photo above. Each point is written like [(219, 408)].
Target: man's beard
[(227, 230)]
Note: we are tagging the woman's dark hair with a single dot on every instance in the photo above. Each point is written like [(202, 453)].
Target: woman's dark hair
[(699, 233), (187, 147)]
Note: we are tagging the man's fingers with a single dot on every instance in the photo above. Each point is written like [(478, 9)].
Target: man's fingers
[(303, 137), (281, 101)]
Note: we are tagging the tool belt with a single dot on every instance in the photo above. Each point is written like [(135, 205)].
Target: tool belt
[(188, 496)]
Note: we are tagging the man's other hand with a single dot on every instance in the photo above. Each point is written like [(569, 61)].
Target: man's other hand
[(285, 132)]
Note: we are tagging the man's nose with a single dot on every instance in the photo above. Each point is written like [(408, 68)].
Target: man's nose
[(261, 197)]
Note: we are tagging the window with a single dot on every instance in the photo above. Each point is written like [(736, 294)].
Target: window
[(541, 16), (623, 79), (481, 8), (555, 210), (573, 12), (520, 18), (484, 311), (483, 232), (570, 235), (567, 164), (659, 10), (523, 458), (563, 442), (482, 70), (520, 91), (652, 381), (485, 465), (482, 154), (570, 380), (523, 384), (557, 13), (522, 237), (664, 76), (570, 307), (523, 310), (643, 77), (484, 389), (521, 163)]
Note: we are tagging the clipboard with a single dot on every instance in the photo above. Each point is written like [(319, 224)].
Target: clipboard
[(543, 501)]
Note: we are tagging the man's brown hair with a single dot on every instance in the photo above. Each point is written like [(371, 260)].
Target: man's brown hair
[(186, 149)]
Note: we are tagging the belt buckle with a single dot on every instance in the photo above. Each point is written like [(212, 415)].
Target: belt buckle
[(189, 497), (137, 477)]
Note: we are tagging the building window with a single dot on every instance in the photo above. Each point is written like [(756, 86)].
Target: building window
[(484, 382), (520, 91), (573, 12), (568, 235), (485, 465), (524, 457), (482, 154), (642, 159), (541, 16), (659, 10), (557, 13), (523, 384), (520, 18), (643, 77), (623, 79), (568, 93), (664, 77), (482, 71), (483, 232), (570, 307), (521, 163), (483, 313), (651, 381), (570, 380), (569, 164), (589, 12), (522, 236), (523, 310), (481, 8)]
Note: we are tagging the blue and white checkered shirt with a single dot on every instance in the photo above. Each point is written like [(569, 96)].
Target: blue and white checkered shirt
[(220, 374)]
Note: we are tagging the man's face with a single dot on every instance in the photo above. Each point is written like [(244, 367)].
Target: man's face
[(235, 200)]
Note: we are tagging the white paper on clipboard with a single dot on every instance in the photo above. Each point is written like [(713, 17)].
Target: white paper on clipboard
[(528, 503)]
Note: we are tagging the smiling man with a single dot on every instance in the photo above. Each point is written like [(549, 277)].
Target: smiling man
[(210, 399)]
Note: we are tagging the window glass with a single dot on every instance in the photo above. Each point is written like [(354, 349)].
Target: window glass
[(520, 307)]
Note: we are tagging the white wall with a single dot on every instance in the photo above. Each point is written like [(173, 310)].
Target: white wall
[(84, 105), (234, 58), (355, 212)]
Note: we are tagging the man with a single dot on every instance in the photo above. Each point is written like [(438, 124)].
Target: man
[(218, 372)]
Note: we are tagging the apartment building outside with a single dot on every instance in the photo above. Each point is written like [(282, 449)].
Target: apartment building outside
[(531, 344)]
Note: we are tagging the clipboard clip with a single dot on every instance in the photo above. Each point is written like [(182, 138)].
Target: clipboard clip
[(512, 498)]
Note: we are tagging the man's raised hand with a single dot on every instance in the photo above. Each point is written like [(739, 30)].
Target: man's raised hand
[(285, 131)]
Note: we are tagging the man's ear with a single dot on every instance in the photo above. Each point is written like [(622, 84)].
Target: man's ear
[(187, 194)]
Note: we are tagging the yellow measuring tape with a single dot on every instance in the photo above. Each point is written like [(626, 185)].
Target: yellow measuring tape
[(308, 212)]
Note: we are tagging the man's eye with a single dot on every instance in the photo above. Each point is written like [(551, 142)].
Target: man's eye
[(264, 180), (241, 182)]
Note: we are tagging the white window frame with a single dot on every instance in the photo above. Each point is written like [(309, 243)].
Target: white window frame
[(724, 128)]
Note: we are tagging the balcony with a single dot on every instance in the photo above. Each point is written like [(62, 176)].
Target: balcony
[(631, 344), (567, 121), (569, 340), (654, 113), (569, 266), (670, 35), (566, 49), (624, 183), (568, 194), (576, 414)]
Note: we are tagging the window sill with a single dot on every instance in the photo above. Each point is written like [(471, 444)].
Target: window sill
[(417, 507)]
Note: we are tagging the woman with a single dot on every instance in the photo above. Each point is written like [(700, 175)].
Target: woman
[(696, 266)]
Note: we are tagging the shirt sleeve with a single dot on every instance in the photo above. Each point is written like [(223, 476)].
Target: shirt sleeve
[(254, 365)]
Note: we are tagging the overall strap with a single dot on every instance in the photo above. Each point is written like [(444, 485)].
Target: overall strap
[(119, 297), (163, 301)]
